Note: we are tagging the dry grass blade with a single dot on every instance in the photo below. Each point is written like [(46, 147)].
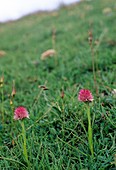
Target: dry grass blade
[(2, 53), (47, 54)]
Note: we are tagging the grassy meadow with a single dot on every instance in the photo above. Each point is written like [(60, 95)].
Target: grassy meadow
[(83, 36)]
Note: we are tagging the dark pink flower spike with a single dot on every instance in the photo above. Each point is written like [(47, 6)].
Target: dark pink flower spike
[(85, 95), (20, 113)]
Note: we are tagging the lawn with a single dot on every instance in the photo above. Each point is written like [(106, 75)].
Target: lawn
[(56, 133)]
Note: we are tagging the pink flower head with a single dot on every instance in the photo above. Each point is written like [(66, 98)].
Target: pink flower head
[(85, 95), (20, 113)]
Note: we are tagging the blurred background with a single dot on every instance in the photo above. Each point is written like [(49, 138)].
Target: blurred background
[(15, 9)]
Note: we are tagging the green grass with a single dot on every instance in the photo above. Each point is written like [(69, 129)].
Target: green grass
[(57, 129)]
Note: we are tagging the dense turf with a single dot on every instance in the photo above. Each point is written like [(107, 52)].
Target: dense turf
[(57, 128)]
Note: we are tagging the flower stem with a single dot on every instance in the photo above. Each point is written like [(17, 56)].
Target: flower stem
[(24, 142), (90, 141)]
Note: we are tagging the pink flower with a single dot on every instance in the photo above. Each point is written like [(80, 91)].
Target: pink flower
[(85, 95), (20, 113)]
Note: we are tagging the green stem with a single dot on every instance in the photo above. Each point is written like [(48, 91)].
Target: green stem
[(24, 142), (2, 105), (90, 141), (12, 108), (93, 67)]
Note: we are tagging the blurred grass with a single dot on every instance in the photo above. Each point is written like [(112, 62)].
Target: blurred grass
[(57, 129)]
